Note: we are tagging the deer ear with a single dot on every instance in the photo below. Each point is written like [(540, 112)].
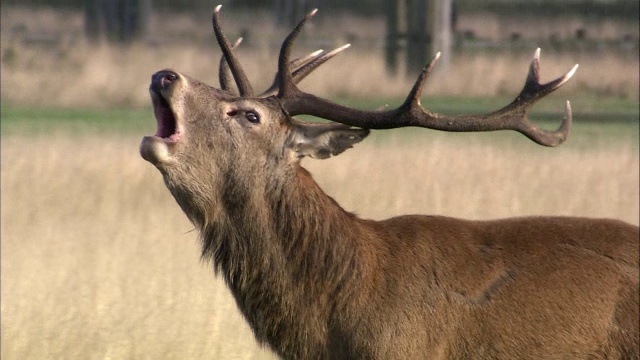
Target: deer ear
[(321, 140)]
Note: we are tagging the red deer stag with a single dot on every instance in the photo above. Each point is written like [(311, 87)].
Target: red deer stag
[(317, 282)]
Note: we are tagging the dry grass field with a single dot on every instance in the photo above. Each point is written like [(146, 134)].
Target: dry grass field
[(98, 261)]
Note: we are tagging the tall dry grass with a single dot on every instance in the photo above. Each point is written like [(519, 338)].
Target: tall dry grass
[(98, 262), (70, 71)]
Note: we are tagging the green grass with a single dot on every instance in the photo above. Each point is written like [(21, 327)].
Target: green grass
[(621, 112), (46, 120)]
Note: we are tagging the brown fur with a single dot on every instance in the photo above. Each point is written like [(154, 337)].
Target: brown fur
[(317, 282)]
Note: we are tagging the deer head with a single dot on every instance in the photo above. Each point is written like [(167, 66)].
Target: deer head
[(206, 134)]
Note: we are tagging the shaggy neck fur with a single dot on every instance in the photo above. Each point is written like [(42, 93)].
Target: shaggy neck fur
[(289, 253)]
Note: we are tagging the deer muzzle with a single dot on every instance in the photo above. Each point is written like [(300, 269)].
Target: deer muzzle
[(158, 148)]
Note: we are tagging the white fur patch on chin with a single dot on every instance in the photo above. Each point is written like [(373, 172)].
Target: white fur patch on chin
[(155, 150)]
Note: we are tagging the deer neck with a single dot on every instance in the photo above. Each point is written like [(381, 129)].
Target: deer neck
[(286, 223), (287, 251)]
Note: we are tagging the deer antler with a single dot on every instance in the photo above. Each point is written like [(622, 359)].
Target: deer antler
[(302, 66), (411, 113), (224, 75), (236, 69)]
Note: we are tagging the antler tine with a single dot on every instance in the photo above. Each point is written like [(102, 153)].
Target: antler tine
[(285, 77), (533, 91), (306, 69), (238, 74), (413, 98), (294, 64), (532, 84), (303, 66), (411, 113), (224, 74), (302, 60)]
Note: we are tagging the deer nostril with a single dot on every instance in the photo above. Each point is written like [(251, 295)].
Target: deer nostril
[(163, 79), (168, 78)]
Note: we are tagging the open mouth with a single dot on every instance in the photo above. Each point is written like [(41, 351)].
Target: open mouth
[(168, 128)]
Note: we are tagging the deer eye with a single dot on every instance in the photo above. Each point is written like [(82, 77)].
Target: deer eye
[(253, 117)]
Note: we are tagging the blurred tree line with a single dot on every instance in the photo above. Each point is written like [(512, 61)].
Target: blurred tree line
[(615, 8), (126, 20), (119, 20)]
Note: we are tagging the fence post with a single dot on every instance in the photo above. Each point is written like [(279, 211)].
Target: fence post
[(392, 41), (418, 36), (425, 27), (441, 29)]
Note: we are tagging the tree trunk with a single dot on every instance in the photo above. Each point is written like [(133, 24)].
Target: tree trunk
[(120, 21)]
